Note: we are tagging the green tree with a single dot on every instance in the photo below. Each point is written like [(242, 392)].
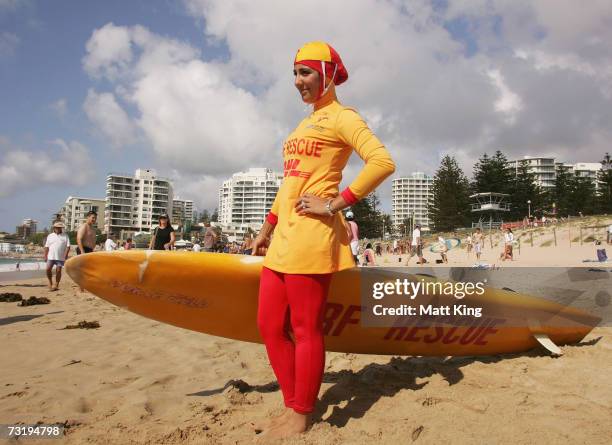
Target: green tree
[(604, 179), (492, 174), (367, 217), (524, 188), (72, 237), (561, 192), (582, 197), (387, 223), (450, 204), (38, 239), (215, 216), (405, 227)]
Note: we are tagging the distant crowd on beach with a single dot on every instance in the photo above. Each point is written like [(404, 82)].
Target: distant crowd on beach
[(366, 252)]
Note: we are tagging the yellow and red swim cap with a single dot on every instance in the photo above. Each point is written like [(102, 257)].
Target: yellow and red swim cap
[(324, 59)]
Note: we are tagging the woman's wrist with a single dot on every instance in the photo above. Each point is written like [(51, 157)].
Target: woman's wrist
[(266, 231), (337, 204)]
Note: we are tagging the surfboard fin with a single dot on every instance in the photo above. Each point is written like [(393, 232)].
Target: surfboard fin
[(545, 341)]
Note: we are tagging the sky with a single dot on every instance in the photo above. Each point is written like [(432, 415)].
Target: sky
[(201, 89)]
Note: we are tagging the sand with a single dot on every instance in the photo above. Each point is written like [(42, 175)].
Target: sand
[(137, 381)]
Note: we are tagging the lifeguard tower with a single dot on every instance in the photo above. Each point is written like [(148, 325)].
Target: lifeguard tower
[(490, 208)]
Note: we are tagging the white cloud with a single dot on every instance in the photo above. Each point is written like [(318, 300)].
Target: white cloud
[(60, 106), (109, 52), (202, 189), (109, 118), (508, 103), (8, 43), (64, 163), (194, 118)]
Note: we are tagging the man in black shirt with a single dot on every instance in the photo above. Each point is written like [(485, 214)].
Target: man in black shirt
[(163, 237)]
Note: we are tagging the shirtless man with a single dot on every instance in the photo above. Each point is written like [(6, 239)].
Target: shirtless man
[(86, 235)]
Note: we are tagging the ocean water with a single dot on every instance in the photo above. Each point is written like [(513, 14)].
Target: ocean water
[(10, 264)]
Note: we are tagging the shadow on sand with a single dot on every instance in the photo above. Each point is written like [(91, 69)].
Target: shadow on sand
[(17, 319), (359, 390)]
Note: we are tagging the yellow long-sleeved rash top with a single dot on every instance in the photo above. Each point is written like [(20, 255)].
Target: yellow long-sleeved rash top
[(314, 155)]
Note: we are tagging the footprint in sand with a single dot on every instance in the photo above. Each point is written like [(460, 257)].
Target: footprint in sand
[(83, 406)]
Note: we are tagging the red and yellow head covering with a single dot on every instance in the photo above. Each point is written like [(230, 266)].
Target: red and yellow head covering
[(324, 59)]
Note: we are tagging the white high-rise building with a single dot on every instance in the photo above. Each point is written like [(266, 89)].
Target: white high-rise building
[(27, 228), (134, 203), (182, 211), (75, 209), (542, 168), (410, 199), (247, 197), (587, 170)]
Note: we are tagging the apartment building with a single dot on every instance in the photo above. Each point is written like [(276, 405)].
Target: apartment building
[(27, 228), (75, 209), (543, 170), (182, 212), (135, 202), (588, 170), (410, 199), (247, 197)]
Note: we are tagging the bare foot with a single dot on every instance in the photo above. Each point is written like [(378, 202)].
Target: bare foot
[(266, 424), (292, 425)]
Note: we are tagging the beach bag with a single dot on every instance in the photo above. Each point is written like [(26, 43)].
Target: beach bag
[(601, 255)]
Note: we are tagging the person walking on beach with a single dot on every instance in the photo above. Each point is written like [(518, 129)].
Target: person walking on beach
[(508, 241), (310, 240), (163, 236), (210, 238), (86, 235), (443, 249), (110, 244), (468, 244), (57, 248), (368, 256), (478, 241), (416, 248), (353, 232)]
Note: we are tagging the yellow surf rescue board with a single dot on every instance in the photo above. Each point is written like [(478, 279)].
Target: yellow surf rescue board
[(216, 294)]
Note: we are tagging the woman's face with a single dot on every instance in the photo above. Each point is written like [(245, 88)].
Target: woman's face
[(307, 82)]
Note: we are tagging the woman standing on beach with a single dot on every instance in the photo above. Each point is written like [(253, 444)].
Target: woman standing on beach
[(310, 236)]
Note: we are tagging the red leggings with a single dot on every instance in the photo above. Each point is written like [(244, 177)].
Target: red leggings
[(298, 364)]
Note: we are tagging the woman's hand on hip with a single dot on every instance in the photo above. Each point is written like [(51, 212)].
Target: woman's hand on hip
[(260, 245), (308, 204)]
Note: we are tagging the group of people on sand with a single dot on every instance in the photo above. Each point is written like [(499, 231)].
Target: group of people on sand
[(57, 246), (475, 242)]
